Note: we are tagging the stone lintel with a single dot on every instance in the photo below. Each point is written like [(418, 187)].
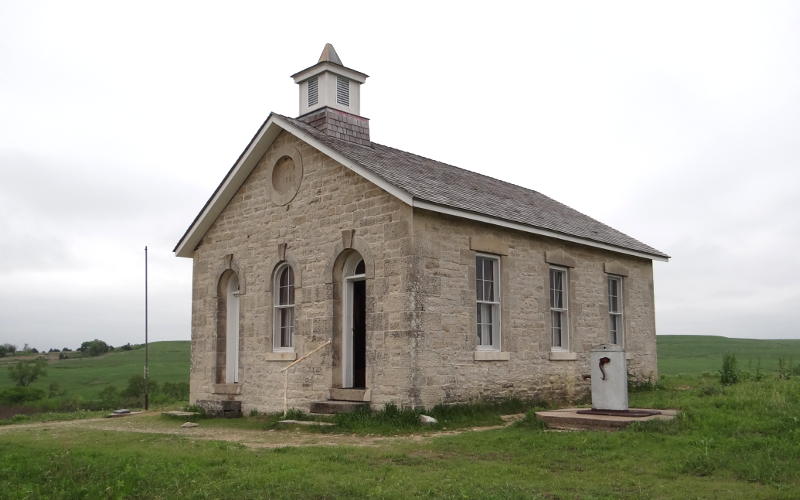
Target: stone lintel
[(615, 268), (488, 243), (559, 258)]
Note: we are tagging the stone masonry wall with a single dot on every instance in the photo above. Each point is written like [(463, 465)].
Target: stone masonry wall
[(249, 236), (443, 354), (420, 296)]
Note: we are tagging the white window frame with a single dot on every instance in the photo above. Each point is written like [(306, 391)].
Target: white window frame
[(494, 304), (619, 314), (563, 310), (277, 308)]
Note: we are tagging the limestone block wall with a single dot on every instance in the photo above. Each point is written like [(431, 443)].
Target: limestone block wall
[(443, 322), (333, 209)]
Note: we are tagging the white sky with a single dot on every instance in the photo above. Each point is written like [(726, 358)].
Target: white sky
[(675, 122)]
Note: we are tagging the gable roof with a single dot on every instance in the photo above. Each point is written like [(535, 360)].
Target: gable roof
[(427, 184)]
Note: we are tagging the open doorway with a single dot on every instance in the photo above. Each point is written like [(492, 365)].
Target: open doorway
[(354, 329)]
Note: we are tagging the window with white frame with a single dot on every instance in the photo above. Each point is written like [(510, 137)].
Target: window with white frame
[(559, 309), (283, 318), (487, 281), (615, 309)]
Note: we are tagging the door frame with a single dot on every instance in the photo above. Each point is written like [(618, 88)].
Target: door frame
[(347, 324)]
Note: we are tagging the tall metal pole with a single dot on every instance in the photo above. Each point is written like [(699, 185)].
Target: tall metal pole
[(146, 347)]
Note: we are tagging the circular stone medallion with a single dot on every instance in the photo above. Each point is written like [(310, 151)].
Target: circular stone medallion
[(285, 175)]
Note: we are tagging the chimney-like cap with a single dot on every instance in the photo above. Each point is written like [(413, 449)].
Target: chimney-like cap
[(329, 61), (329, 55)]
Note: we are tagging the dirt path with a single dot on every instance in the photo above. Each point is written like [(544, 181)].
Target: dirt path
[(247, 437)]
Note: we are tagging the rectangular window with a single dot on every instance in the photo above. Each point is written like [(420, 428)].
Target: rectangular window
[(342, 90), (615, 309), (313, 91), (487, 279), (559, 308)]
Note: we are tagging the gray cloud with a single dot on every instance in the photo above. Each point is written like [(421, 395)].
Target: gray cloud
[(678, 126)]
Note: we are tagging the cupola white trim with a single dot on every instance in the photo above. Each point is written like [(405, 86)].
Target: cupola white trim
[(329, 83)]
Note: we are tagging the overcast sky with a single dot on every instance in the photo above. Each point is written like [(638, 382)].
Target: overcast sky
[(675, 122)]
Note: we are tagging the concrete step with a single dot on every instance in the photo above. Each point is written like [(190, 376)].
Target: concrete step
[(331, 406), (338, 394)]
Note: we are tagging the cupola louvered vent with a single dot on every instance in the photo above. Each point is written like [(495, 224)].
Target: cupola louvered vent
[(313, 91), (342, 90)]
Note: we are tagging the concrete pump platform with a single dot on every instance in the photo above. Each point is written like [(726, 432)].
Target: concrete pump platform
[(570, 419)]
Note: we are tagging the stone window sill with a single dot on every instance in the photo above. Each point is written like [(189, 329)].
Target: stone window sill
[(280, 356), (491, 356), (563, 356), (227, 389)]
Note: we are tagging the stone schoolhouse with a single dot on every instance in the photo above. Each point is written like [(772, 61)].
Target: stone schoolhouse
[(423, 283)]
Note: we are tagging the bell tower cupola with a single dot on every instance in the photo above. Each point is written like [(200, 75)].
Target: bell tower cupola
[(329, 84), (330, 98)]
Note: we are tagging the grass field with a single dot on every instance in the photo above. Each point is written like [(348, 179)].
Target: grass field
[(737, 441), (732, 442), (86, 377), (696, 354)]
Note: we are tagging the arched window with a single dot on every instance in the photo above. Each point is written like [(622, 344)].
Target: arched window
[(283, 319), (227, 352)]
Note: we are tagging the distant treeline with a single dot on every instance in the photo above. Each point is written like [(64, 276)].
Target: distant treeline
[(94, 347)]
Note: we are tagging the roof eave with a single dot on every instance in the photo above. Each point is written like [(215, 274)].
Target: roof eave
[(434, 207), (333, 68)]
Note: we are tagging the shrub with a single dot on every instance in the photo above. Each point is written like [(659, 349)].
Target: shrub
[(729, 374), (20, 394), (55, 390), (175, 391), (109, 397), (23, 373), (785, 369), (7, 350), (133, 395), (94, 347)]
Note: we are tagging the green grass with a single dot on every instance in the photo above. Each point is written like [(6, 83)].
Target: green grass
[(734, 442), (737, 441), (86, 377), (697, 354)]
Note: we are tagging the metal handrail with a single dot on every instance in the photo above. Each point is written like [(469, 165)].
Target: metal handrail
[(285, 371)]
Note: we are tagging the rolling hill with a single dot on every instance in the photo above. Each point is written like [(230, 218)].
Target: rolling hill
[(86, 377), (695, 354)]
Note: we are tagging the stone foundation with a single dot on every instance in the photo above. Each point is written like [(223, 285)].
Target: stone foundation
[(225, 409)]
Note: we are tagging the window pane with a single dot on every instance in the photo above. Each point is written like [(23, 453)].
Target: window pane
[(478, 323), (556, 321), (613, 295), (557, 288), (286, 326), (613, 329), (488, 291), (479, 268)]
